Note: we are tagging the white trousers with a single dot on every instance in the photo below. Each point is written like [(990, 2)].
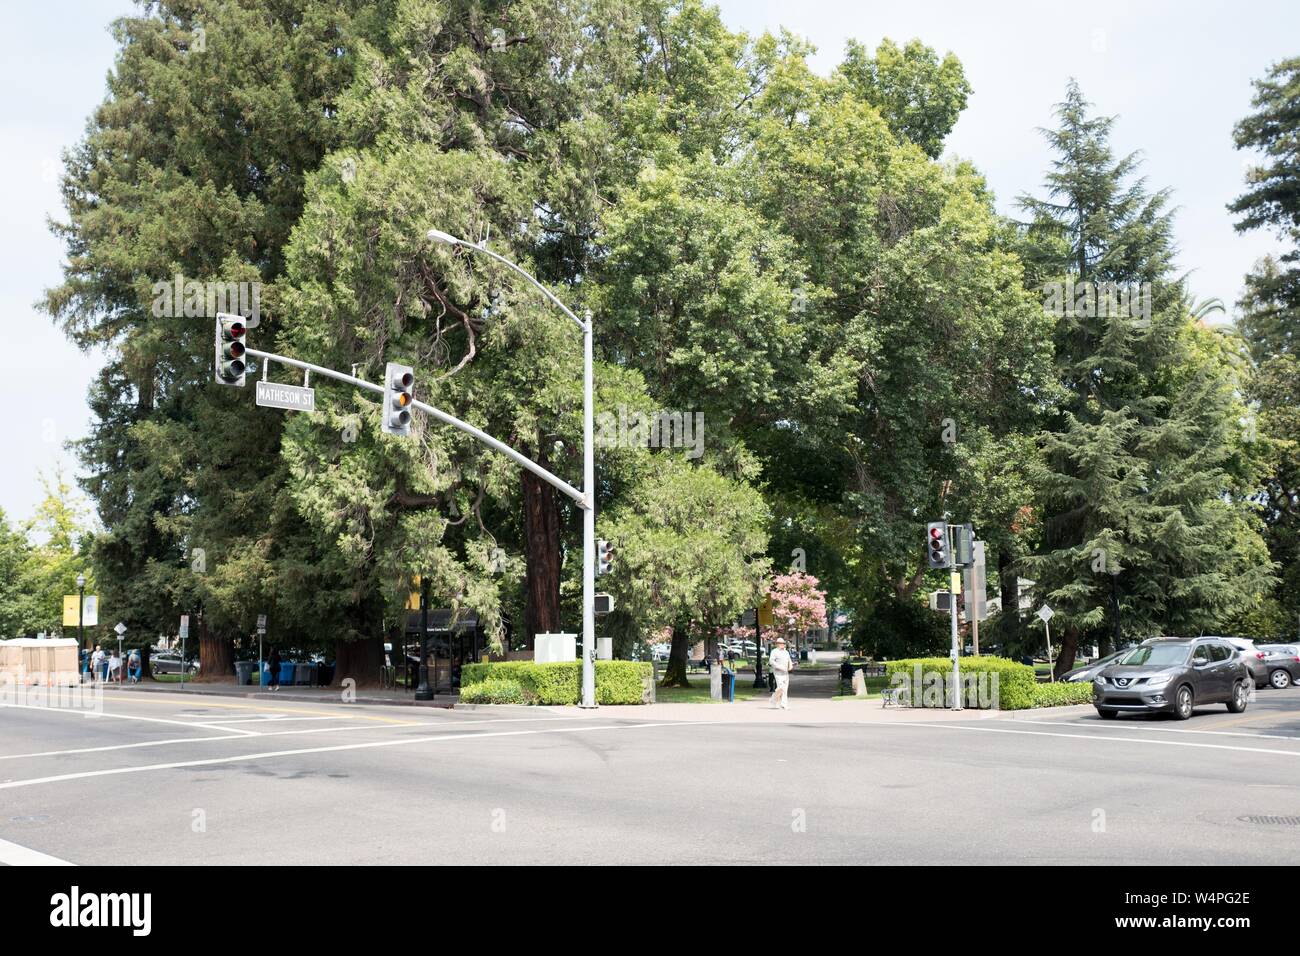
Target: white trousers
[(782, 688)]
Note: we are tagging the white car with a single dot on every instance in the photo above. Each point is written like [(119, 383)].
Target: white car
[(1253, 657)]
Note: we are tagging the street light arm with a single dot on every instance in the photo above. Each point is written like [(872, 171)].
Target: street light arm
[(439, 236)]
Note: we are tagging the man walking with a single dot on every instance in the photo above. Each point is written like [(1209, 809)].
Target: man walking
[(778, 663)]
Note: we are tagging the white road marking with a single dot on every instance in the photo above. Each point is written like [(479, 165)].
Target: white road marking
[(1116, 740), (100, 714), (11, 854), (1162, 730), (367, 745), (174, 741), (272, 719)]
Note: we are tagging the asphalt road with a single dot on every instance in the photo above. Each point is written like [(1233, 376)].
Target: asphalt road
[(164, 778)]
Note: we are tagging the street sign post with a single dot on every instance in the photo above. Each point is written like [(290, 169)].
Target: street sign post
[(294, 398), (1046, 613), (120, 629), (185, 633)]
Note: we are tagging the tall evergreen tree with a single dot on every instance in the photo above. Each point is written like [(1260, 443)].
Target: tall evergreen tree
[(1269, 319), (1144, 476)]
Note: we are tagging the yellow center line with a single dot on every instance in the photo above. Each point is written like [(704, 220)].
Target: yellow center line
[(258, 708)]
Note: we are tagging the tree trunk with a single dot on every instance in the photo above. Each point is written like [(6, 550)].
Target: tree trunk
[(1009, 588), (216, 655), (675, 673), (542, 554), (360, 660), (146, 672), (1069, 646)]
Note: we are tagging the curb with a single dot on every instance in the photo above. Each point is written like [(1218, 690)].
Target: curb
[(447, 704)]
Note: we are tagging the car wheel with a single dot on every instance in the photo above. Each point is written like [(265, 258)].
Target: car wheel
[(1280, 679), (1107, 714), (1183, 703), (1240, 697)]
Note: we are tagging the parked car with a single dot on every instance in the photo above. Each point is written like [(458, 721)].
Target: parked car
[(1283, 663), (1173, 675), (169, 662), (1089, 671), (1253, 657)]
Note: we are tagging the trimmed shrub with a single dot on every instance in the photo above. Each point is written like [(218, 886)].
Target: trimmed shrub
[(493, 690), (1015, 682), (617, 682), (1062, 695)]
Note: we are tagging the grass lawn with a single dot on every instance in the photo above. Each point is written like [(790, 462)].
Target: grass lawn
[(698, 693)]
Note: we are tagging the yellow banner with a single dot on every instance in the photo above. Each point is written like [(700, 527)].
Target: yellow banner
[(765, 613)]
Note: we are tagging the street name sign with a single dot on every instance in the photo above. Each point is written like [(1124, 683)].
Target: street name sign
[(295, 398)]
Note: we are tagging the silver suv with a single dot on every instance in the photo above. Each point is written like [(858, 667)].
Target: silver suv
[(1173, 675)]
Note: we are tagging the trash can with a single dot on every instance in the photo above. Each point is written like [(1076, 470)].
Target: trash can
[(728, 685), (287, 669), (302, 674), (244, 672)]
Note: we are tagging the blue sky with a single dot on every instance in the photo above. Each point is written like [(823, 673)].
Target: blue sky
[(1177, 75)]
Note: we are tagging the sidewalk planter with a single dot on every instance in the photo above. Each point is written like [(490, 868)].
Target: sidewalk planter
[(617, 682)]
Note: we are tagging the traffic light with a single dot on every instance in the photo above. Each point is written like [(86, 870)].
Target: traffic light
[(230, 349), (398, 399), (936, 544), (963, 545), (604, 557)]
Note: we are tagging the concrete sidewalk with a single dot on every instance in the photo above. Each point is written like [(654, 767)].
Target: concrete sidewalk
[(866, 711), (325, 695), (802, 710)]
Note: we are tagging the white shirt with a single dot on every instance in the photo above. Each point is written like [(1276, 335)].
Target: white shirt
[(779, 661)]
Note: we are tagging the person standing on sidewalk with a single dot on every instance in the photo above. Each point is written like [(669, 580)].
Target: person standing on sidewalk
[(98, 664), (273, 665), (778, 663)]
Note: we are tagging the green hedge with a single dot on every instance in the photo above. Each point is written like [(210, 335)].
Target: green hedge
[(1062, 694), (494, 690), (1015, 681), (617, 682)]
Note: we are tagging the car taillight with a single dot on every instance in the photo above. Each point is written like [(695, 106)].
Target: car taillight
[(1260, 655)]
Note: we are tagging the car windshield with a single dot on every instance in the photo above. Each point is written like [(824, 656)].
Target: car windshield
[(1163, 655)]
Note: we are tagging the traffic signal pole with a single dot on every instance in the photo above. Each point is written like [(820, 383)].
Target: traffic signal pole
[(585, 499), (439, 414)]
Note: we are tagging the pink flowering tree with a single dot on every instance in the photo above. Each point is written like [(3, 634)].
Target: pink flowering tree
[(798, 605)]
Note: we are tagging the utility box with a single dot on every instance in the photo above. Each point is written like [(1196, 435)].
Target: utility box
[(604, 648), (551, 648)]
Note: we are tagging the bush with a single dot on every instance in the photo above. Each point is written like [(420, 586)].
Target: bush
[(1061, 694), (1015, 682), (617, 682), (493, 690)]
